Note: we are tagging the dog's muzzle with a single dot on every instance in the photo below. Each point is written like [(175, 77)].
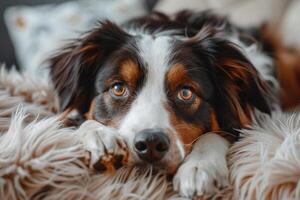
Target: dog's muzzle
[(151, 145)]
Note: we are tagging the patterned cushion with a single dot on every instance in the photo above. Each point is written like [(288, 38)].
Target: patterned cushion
[(37, 31)]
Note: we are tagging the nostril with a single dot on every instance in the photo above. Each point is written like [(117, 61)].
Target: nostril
[(151, 145), (162, 147), (141, 146)]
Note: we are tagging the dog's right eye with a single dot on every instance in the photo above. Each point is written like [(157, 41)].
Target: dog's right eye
[(118, 90), (185, 94)]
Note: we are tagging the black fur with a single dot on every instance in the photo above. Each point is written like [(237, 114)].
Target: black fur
[(227, 77)]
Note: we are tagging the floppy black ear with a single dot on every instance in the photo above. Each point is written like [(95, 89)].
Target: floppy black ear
[(238, 75), (73, 69), (239, 87)]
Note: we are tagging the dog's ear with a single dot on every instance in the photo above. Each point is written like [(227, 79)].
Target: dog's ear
[(74, 68), (239, 88)]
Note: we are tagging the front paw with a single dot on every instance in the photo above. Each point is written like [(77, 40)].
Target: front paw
[(202, 179), (106, 149)]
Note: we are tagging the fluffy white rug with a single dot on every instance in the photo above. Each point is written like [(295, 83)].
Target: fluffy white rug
[(41, 160)]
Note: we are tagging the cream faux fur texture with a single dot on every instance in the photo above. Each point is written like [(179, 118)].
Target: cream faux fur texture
[(39, 159)]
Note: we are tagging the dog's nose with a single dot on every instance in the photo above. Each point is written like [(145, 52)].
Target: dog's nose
[(151, 145)]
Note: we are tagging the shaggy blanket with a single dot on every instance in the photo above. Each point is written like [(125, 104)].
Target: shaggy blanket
[(39, 159)]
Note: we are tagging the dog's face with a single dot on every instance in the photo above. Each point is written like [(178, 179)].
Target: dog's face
[(160, 90)]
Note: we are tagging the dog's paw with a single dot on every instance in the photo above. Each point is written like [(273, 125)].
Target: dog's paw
[(106, 149), (201, 179)]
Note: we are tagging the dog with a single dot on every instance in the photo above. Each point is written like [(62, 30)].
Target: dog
[(172, 92)]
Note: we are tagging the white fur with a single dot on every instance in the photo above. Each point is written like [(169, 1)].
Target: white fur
[(264, 164), (42, 155), (100, 141), (180, 148), (203, 167), (38, 154), (34, 93), (144, 32), (148, 109)]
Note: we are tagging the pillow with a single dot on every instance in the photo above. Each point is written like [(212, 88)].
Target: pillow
[(291, 25), (243, 13), (37, 31)]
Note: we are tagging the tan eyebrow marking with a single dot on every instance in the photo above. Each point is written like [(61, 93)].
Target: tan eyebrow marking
[(178, 75), (130, 72)]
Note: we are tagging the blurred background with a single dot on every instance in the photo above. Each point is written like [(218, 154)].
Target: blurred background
[(30, 30)]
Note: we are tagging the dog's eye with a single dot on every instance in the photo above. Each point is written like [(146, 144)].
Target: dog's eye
[(185, 94), (118, 89)]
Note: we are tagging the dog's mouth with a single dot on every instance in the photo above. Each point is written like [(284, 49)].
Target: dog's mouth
[(155, 148)]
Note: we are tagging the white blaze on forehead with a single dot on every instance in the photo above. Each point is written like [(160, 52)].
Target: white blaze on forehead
[(148, 111)]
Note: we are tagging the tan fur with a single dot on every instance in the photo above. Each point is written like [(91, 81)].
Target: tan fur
[(177, 76), (187, 132), (234, 70), (243, 113), (130, 72), (90, 113), (62, 174)]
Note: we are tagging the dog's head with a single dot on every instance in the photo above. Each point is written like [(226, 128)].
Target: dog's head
[(161, 89)]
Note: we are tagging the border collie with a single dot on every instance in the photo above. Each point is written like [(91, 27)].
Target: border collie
[(171, 92)]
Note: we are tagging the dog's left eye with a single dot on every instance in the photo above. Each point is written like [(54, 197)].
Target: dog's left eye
[(185, 94), (118, 90)]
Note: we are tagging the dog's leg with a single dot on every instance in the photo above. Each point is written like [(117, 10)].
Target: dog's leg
[(204, 169), (107, 150)]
